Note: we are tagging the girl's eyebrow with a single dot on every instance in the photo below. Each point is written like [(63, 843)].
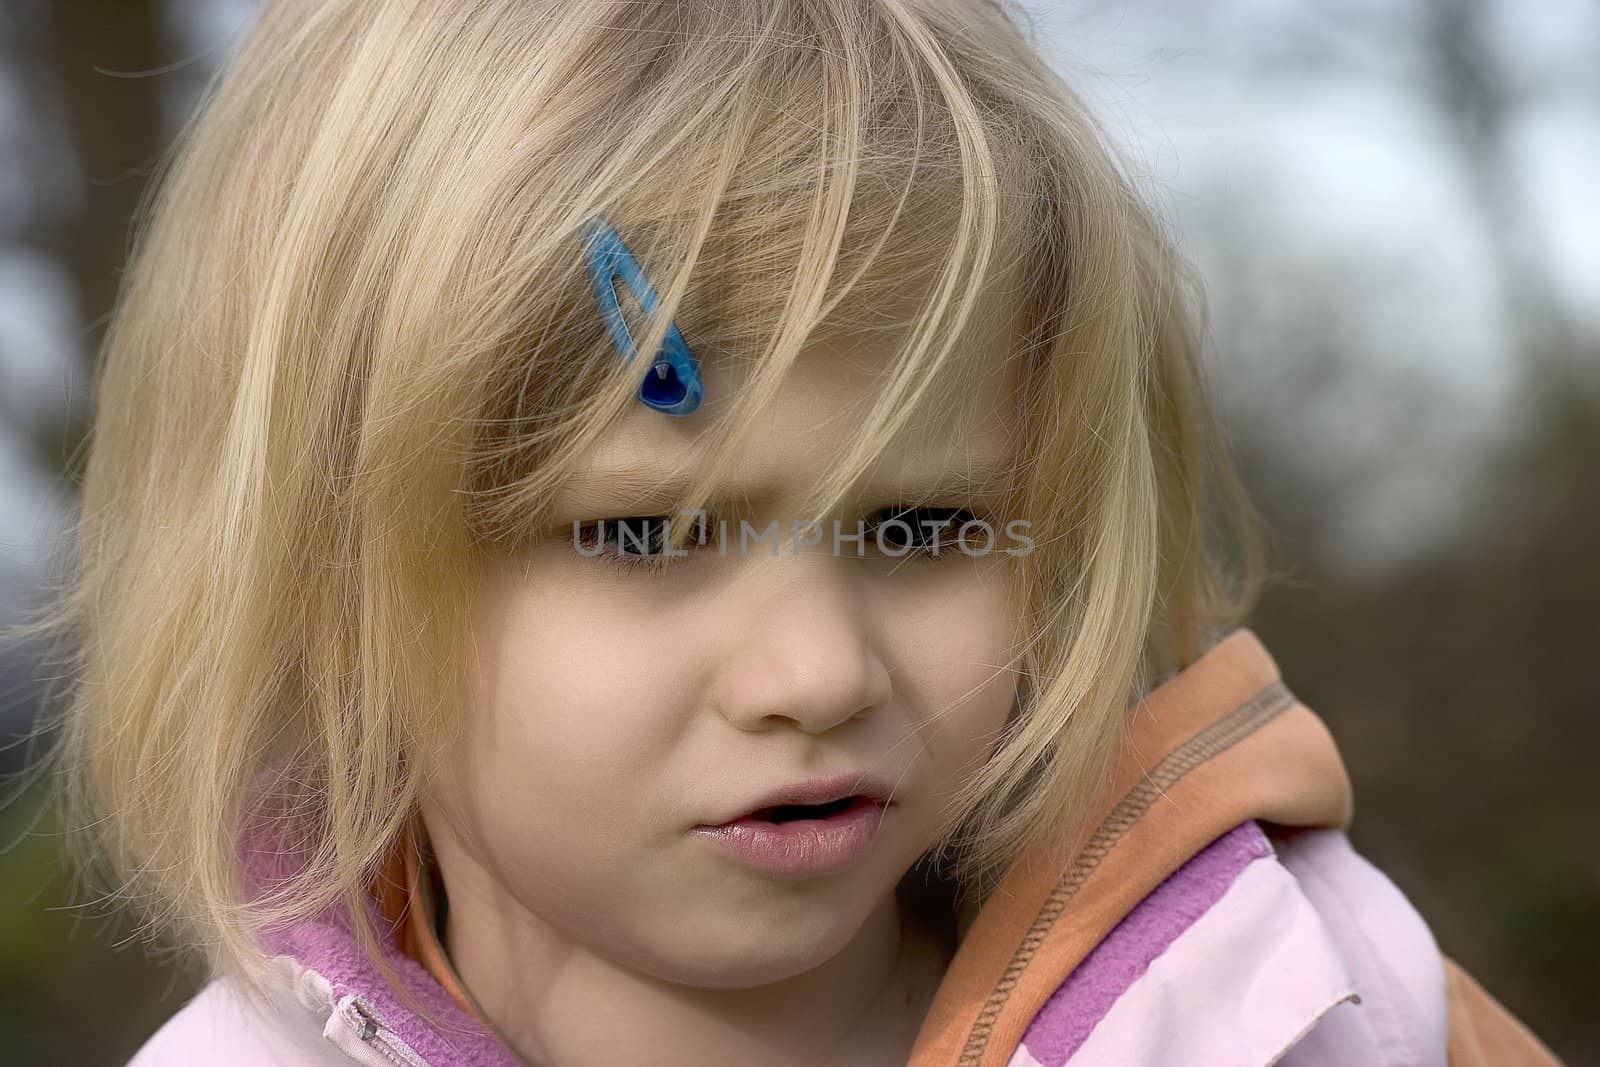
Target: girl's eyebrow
[(646, 491)]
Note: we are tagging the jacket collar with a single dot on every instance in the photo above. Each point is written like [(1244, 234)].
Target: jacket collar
[(1222, 742), (322, 961)]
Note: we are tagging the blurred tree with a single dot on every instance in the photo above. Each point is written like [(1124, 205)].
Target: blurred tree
[(108, 54), (101, 59), (1479, 97), (94, 66)]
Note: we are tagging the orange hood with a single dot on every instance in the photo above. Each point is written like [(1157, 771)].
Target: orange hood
[(1221, 742)]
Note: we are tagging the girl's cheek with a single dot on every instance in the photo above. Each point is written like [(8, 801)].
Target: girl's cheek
[(572, 696), (958, 656)]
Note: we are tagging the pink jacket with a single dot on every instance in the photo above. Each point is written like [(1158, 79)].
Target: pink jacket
[(1216, 917)]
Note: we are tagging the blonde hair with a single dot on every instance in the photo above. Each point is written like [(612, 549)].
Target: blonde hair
[(356, 352)]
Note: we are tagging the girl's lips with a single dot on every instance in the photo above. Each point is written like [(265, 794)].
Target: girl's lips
[(801, 847)]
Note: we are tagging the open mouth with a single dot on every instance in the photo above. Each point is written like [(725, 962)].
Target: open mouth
[(794, 812), (802, 840)]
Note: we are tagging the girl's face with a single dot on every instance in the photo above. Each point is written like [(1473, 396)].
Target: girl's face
[(616, 708)]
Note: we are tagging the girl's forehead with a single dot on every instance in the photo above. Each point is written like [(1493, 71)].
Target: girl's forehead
[(959, 437), (958, 434), (848, 359)]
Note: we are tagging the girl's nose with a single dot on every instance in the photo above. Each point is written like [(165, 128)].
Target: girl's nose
[(806, 654)]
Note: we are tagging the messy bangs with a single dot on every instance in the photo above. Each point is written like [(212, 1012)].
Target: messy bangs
[(804, 197)]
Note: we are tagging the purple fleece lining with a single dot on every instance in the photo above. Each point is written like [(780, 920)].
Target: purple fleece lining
[(1072, 1011), (328, 946)]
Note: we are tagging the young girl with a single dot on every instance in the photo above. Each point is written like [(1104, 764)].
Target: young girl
[(631, 531)]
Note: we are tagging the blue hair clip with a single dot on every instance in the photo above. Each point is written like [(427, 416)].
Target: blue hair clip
[(672, 384)]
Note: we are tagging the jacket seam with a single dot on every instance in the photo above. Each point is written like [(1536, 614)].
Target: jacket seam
[(1270, 701)]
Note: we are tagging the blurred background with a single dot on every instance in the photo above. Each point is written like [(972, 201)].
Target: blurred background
[(1394, 207)]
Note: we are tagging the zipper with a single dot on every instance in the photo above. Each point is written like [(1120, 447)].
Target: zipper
[(369, 1022), (371, 1032)]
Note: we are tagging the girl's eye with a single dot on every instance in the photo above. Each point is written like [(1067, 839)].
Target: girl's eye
[(632, 540), (920, 531), (636, 542)]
